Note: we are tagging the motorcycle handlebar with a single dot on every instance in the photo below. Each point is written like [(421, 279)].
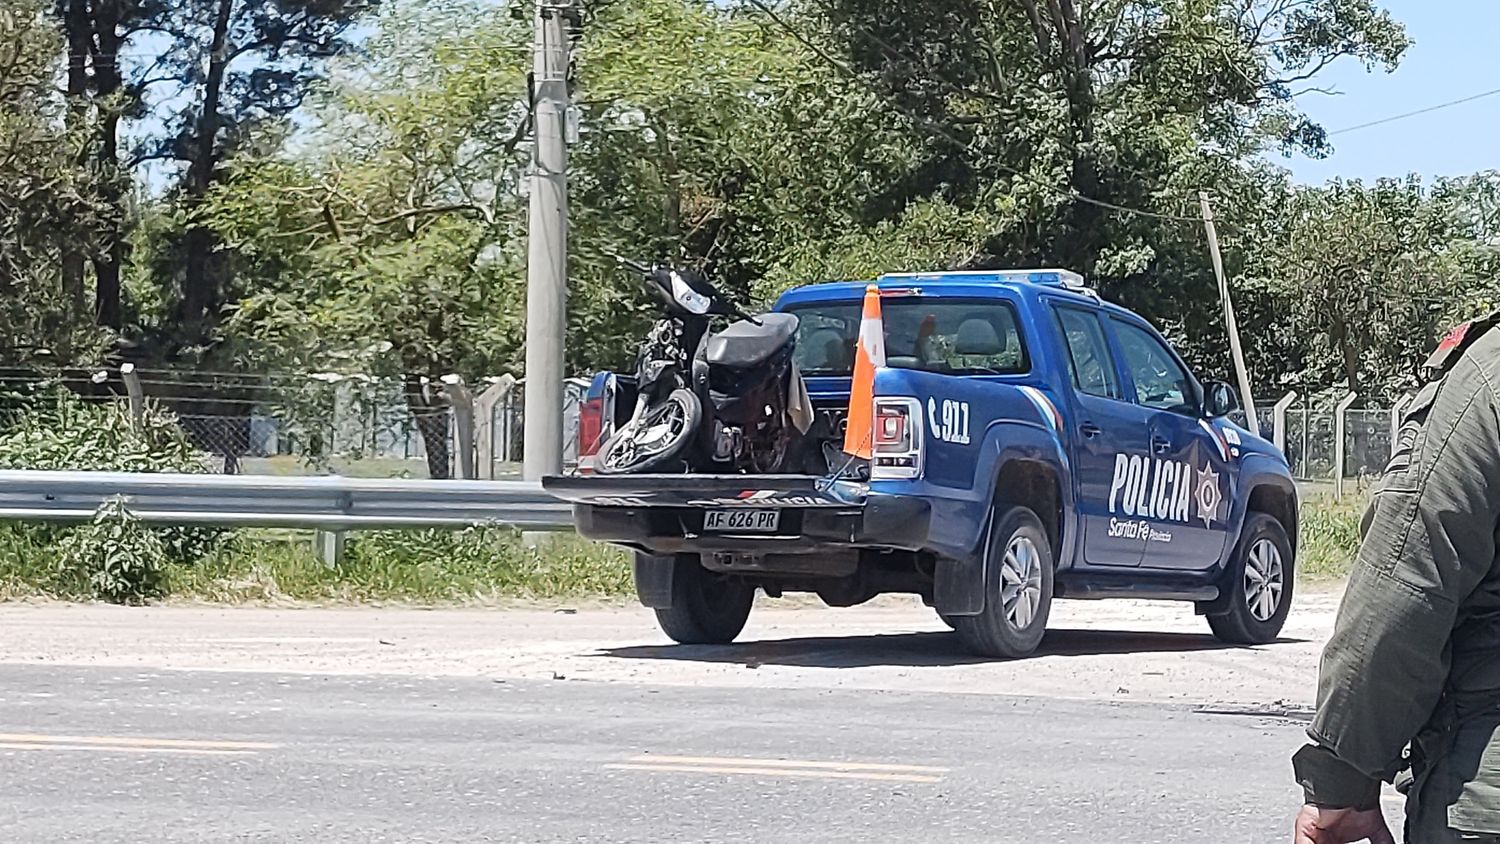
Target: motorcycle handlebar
[(645, 272), (633, 265), (737, 313)]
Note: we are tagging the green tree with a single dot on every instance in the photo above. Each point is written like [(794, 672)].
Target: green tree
[(779, 145), (1369, 277), (388, 244), (1026, 134), (48, 208), (236, 66)]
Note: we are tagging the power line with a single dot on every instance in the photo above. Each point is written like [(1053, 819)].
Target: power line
[(967, 146), (412, 55), (1392, 119)]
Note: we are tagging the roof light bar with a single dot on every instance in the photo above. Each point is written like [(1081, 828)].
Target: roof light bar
[(1055, 277)]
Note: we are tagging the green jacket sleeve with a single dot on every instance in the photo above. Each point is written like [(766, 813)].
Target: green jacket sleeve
[(1429, 539)]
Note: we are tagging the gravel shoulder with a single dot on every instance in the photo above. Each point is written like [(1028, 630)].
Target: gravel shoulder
[(1095, 650)]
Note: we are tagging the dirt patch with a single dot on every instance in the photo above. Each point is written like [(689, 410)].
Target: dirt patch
[(1120, 650)]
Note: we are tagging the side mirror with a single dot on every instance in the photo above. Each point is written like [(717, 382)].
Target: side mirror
[(1219, 399)]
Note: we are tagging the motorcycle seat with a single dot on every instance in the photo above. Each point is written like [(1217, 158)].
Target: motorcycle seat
[(745, 344)]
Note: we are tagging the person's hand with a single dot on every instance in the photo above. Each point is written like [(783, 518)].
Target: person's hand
[(1341, 826)]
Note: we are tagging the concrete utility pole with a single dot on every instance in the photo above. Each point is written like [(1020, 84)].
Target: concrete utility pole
[(547, 264), (1229, 323)]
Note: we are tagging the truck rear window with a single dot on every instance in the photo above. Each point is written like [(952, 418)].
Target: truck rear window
[(951, 336)]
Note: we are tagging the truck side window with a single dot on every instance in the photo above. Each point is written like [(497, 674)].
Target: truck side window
[(1088, 354), (1160, 383)]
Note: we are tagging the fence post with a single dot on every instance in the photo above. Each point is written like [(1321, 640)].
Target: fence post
[(1278, 420), (137, 395), (1340, 425), (1396, 412), (462, 402), (329, 546), (508, 454), (485, 432)]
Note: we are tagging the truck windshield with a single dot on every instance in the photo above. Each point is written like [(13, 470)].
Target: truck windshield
[(951, 336)]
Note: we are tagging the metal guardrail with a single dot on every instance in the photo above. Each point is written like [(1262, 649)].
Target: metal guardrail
[(320, 503)]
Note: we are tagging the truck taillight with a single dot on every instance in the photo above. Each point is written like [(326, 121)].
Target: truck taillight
[(897, 451), (595, 423), (590, 425)]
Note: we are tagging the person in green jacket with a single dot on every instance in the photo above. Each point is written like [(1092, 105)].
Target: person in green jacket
[(1409, 686)]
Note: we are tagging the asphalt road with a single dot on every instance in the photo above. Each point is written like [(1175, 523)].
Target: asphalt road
[(112, 755), (208, 724)]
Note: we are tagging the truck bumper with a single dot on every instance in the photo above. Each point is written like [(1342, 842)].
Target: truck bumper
[(824, 533), (881, 521)]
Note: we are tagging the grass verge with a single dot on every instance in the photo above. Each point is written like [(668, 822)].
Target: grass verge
[(428, 567), (1329, 537), (474, 566)]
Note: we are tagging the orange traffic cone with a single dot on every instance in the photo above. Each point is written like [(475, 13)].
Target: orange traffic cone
[(869, 353)]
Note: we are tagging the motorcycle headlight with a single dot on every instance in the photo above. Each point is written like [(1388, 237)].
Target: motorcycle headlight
[(689, 298)]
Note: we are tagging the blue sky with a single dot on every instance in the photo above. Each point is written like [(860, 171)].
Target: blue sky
[(1456, 54)]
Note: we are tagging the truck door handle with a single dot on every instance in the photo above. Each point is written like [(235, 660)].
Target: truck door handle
[(1160, 445), (1090, 430)]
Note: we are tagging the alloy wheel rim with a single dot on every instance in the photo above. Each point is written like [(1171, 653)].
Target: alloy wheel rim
[(656, 434), (1021, 582), (1265, 580)]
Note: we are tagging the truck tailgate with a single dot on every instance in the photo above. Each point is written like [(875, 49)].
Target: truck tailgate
[(758, 491)]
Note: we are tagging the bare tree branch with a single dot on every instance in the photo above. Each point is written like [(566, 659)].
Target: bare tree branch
[(1043, 40), (1303, 77)]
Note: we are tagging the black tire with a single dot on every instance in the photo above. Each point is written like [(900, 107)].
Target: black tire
[(950, 620), (624, 454), (707, 608), (1256, 616), (1019, 566)]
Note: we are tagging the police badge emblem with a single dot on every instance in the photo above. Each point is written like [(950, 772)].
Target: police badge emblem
[(1207, 495)]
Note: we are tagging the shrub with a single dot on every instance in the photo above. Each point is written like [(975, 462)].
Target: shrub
[(62, 432), (114, 558)]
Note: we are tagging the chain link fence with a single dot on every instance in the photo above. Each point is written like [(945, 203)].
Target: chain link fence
[(282, 424), (381, 439), (279, 424), (365, 427), (1311, 439), (507, 427), (265, 444)]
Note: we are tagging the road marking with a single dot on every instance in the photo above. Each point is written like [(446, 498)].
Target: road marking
[(288, 640), (96, 748), (794, 768), (139, 744)]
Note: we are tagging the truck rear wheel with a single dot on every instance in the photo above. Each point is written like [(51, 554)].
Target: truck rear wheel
[(707, 608), (1259, 583), (1018, 589)]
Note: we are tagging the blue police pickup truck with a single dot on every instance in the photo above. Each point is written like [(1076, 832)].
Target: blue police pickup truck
[(1048, 445)]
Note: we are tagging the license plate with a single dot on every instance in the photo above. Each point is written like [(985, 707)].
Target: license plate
[(750, 521)]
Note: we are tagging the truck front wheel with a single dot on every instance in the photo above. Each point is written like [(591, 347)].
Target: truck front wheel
[(1259, 583), (707, 608), (1018, 589)]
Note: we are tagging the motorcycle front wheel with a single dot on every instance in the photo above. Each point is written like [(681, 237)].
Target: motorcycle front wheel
[(661, 435)]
